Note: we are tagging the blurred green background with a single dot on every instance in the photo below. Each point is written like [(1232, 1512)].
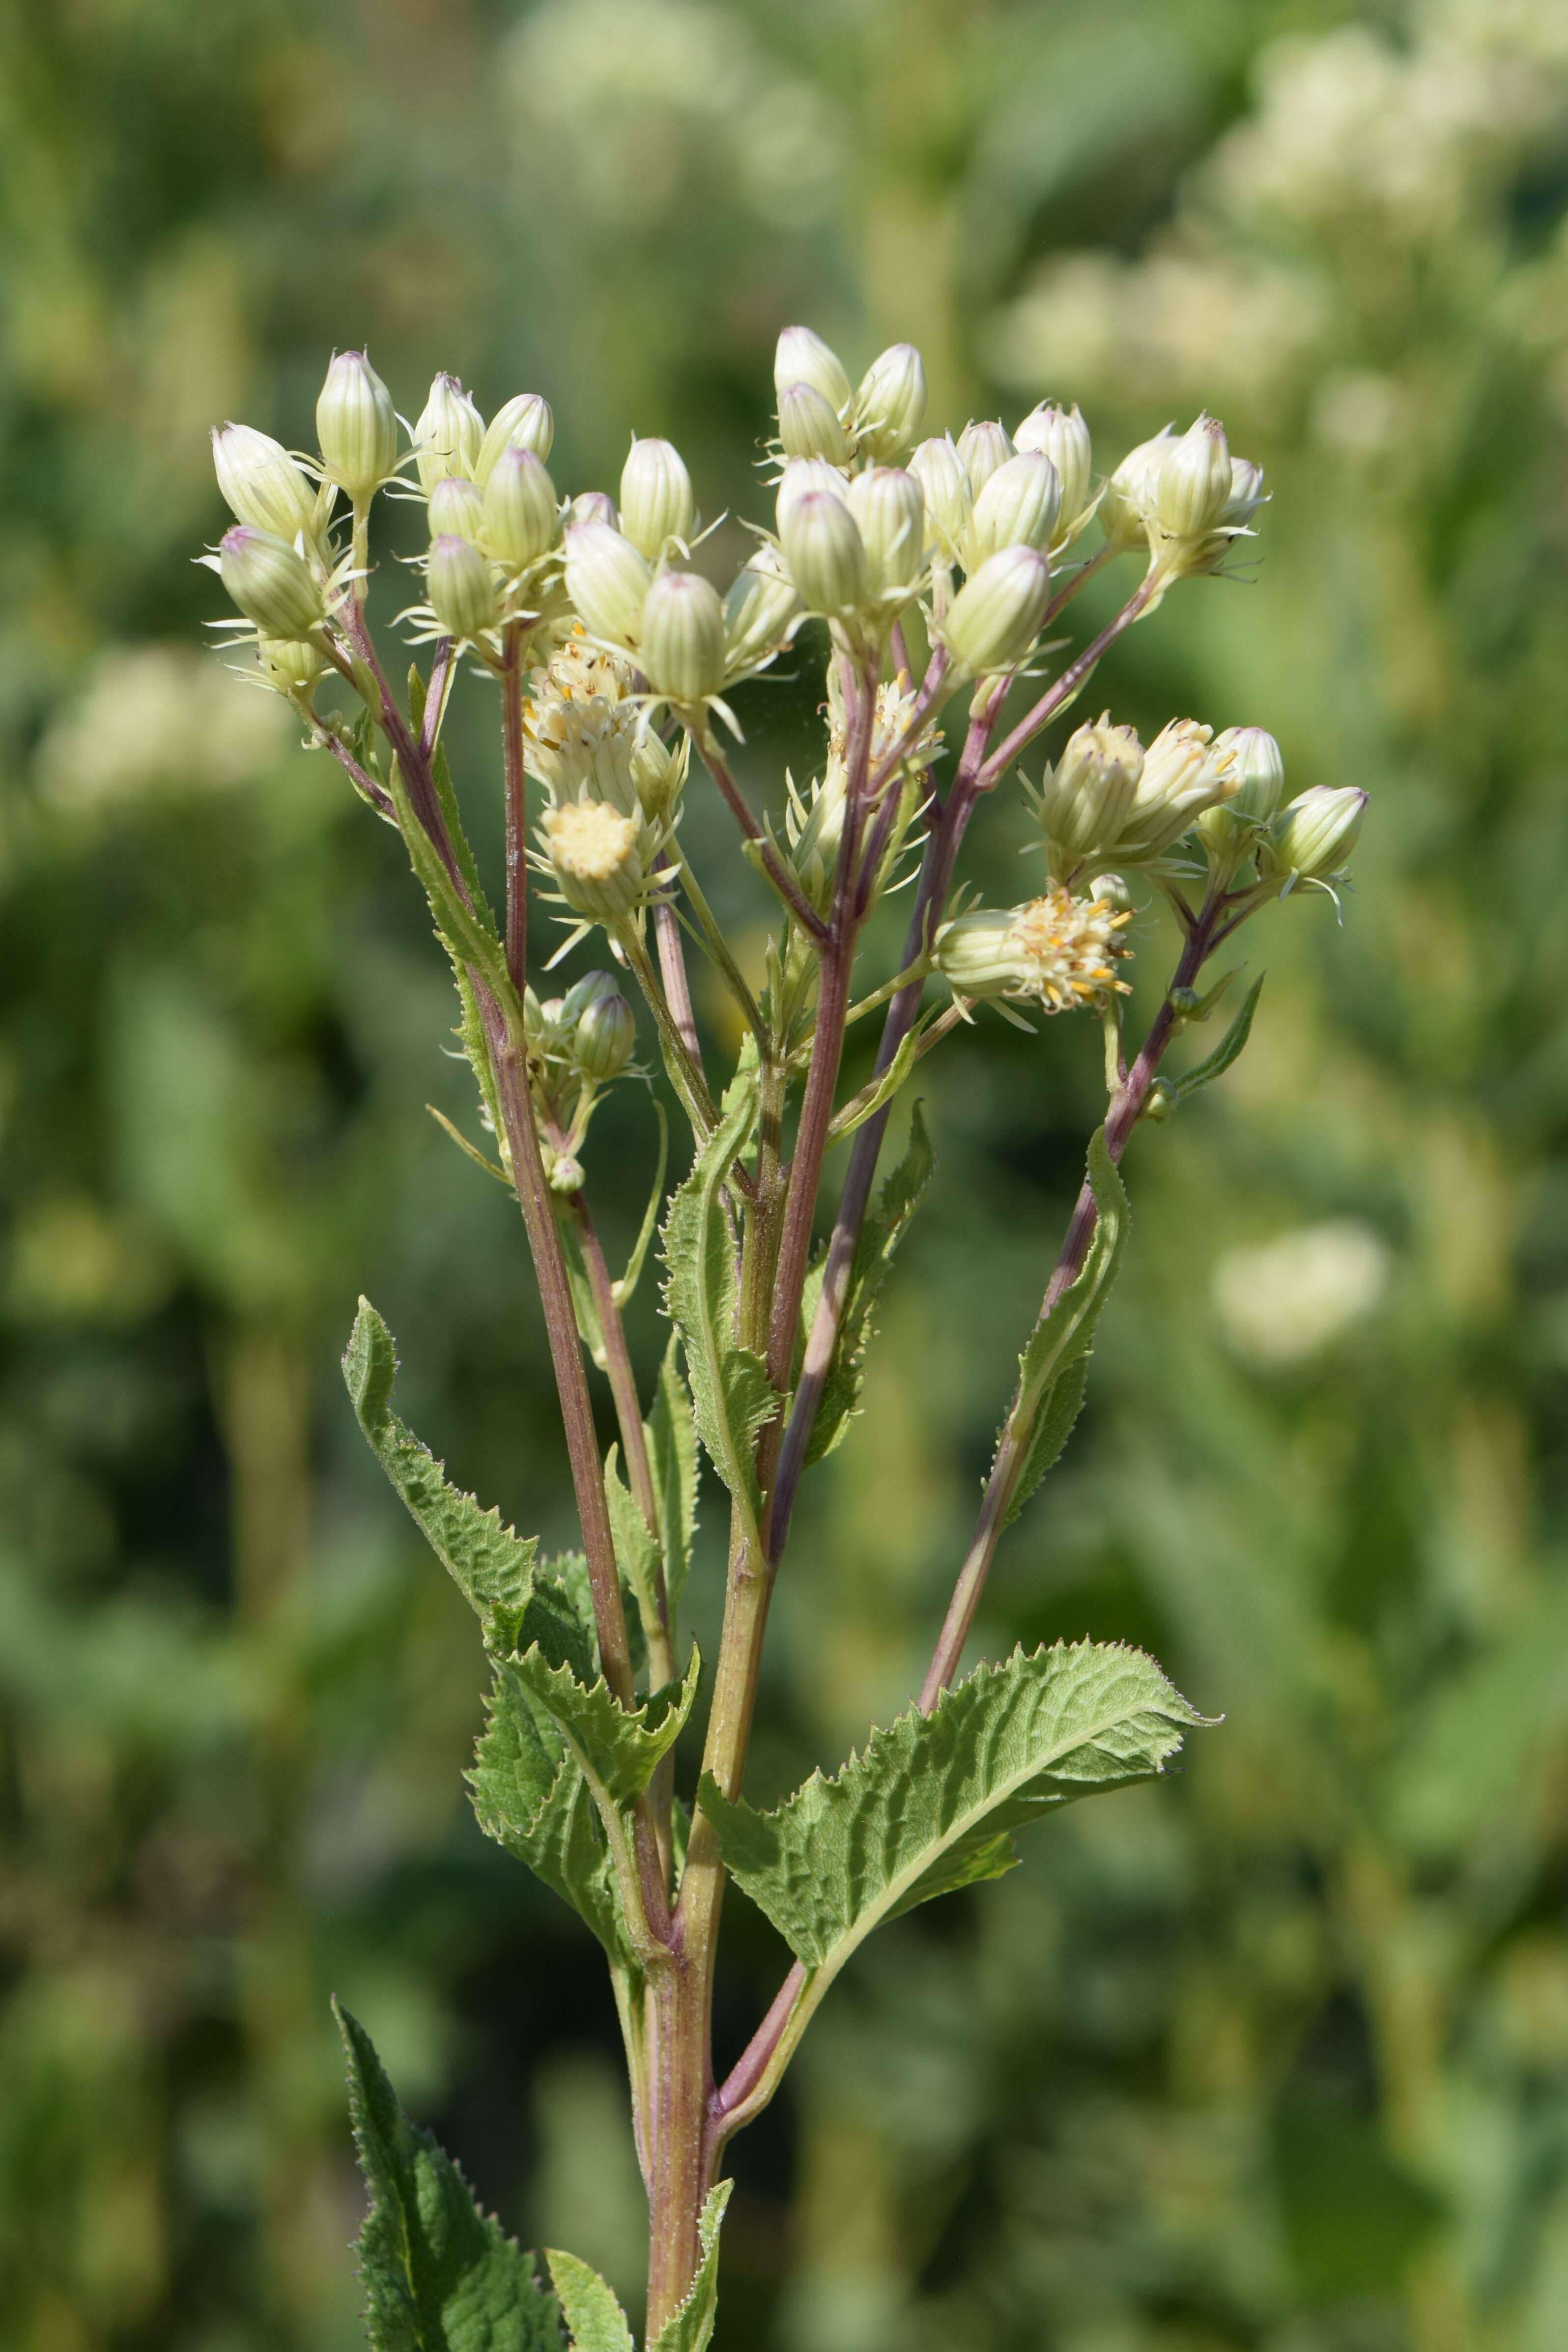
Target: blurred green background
[(1274, 2057)]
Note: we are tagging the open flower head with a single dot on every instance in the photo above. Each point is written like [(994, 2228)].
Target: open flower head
[(1057, 952)]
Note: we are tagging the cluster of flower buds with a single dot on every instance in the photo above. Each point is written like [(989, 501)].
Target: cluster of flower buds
[(613, 785), (820, 416), (1058, 952), (494, 518), (576, 1045), (1187, 495)]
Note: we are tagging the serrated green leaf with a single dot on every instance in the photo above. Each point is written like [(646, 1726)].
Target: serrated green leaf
[(688, 2329), (879, 1235), (636, 1550), (731, 1396), (530, 1795), (1215, 1064), (617, 1747), (593, 2317), (1054, 1366), (929, 1796), (671, 1436), (440, 2274), (492, 1566)]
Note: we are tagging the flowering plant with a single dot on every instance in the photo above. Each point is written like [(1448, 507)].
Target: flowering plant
[(614, 656)]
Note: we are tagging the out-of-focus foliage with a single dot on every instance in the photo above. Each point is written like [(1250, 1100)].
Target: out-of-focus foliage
[(1278, 2058)]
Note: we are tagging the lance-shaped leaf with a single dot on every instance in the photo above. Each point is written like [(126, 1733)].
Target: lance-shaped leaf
[(920, 1810), (530, 1795), (671, 1436), (440, 2276), (1054, 1366), (879, 1235), (636, 1549), (730, 1392), (618, 1748), (1215, 1064), (594, 2319), (689, 2328), (492, 1565)]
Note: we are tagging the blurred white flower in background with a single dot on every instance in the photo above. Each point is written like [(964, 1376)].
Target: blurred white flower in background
[(153, 715), (630, 96), (1285, 1301)]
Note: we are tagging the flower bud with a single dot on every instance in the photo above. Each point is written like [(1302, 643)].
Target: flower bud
[(1310, 840), (890, 513), (1057, 952), (760, 613), (1159, 1102), (288, 663), (1127, 507), (1084, 802), (455, 508), (826, 555), (950, 500), (1261, 767), (890, 406), (996, 616), (593, 850), (460, 587), (681, 637), (593, 506), (603, 1031), (800, 476), (1061, 434), (656, 772), (261, 482), (656, 500), (808, 427), (447, 437), (1193, 485), (269, 583), (521, 519), (1184, 773), (1018, 507), (803, 357), (523, 422), (565, 1173), (356, 426), (1112, 891), (607, 580), (984, 447)]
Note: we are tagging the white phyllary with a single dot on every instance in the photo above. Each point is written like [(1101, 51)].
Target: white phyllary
[(449, 433), (1061, 434), (681, 638), (657, 503), (455, 507), (759, 611), (810, 426), (1185, 773), (1193, 483), (356, 426), (826, 556), (1084, 802), (608, 581), (261, 482), (890, 405), (801, 356), (983, 447), (1126, 509), (460, 588), (270, 582), (949, 501), (800, 478), (890, 514), (523, 422), (1247, 495), (996, 616), (1309, 841), (1018, 507), (521, 520)]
